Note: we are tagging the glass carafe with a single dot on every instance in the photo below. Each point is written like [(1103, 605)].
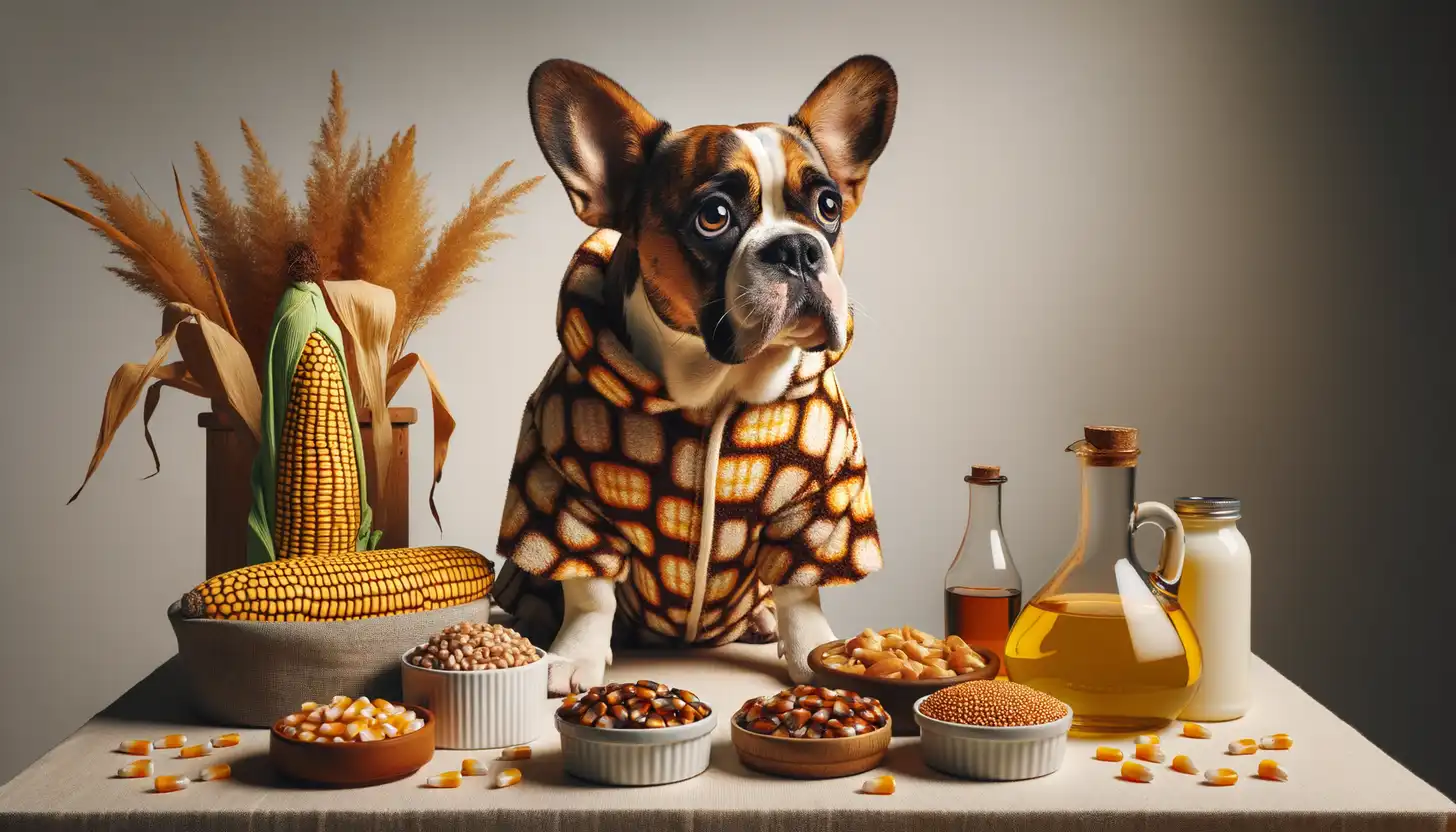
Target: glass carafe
[(1103, 635), (982, 586)]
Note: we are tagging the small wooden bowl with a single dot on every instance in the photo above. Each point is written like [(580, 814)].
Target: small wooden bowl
[(809, 759), (353, 763), (898, 696)]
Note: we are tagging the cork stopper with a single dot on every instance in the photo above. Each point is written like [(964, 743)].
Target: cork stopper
[(1111, 437), (986, 475)]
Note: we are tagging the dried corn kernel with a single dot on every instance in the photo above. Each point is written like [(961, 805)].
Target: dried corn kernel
[(507, 778), (389, 730), (520, 752), (136, 768), (1136, 772), (1196, 731), (1108, 754), (1277, 742), (1271, 770), (1221, 777), (140, 748), (1148, 739), (332, 729), (1150, 753), (226, 741), (305, 736), (444, 780), (884, 784), (381, 704), (412, 726), (1184, 765), (170, 783), (171, 741), (471, 767), (370, 735), (1240, 748), (221, 771), (309, 706), (310, 726), (195, 751)]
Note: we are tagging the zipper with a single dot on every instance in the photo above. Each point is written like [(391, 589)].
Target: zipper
[(706, 521)]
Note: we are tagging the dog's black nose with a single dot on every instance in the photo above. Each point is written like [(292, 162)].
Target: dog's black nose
[(797, 254)]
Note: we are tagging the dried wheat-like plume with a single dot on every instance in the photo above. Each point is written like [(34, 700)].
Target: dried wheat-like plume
[(273, 225), (329, 182), (224, 230), (393, 237)]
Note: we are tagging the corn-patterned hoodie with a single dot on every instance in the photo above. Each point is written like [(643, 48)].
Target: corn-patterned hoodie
[(608, 481)]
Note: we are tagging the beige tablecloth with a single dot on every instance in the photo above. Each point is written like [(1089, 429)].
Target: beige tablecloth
[(1338, 780)]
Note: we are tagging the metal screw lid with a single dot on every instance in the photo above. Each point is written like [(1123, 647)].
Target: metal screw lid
[(1208, 507)]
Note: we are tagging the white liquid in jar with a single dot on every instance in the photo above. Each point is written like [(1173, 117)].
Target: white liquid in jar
[(1215, 593)]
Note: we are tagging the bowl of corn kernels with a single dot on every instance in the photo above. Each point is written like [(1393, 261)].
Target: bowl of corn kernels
[(898, 666), (642, 733), (993, 729), (486, 684), (352, 741), (811, 733)]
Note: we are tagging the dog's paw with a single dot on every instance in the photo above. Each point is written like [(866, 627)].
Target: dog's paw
[(566, 676)]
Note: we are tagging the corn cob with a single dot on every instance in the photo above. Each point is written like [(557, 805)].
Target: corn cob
[(344, 586)]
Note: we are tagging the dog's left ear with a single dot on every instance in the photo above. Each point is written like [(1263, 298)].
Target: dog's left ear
[(848, 117)]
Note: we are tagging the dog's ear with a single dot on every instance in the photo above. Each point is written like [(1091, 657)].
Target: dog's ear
[(595, 136), (848, 117)]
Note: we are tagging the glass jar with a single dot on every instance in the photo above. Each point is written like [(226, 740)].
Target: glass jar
[(1216, 594), (982, 586)]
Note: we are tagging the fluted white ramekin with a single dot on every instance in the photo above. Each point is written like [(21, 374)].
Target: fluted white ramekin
[(978, 752), (480, 708), (637, 756)]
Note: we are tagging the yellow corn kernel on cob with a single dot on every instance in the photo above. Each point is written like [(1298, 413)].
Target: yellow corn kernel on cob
[(520, 752), (471, 767), (135, 768), (444, 780), (192, 751), (1220, 777), (1196, 731), (1148, 739), (140, 748), (317, 497), (221, 771), (226, 740), (344, 586), (884, 784), (1276, 742), (170, 783), (1136, 772), (171, 741), (508, 777), (1271, 770), (1243, 747), (1108, 754), (1183, 764), (1149, 753)]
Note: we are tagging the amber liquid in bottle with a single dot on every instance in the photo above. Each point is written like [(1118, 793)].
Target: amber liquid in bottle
[(982, 617)]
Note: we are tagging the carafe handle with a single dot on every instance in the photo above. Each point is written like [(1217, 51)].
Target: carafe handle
[(1170, 563)]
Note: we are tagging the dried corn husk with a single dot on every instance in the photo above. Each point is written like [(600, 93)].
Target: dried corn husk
[(444, 422), (365, 313)]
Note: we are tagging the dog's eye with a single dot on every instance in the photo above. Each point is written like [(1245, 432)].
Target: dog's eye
[(827, 206), (713, 217)]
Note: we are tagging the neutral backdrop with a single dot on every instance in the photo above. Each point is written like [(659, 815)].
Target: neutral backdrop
[(1228, 224)]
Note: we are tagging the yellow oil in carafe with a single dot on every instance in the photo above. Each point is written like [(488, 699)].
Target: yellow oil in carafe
[(1120, 675)]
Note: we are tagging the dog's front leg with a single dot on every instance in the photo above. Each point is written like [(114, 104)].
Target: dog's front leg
[(585, 638), (802, 627)]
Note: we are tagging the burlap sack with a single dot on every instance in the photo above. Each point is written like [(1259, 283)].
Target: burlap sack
[(247, 674)]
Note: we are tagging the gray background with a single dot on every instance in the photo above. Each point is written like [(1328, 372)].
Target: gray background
[(1227, 224)]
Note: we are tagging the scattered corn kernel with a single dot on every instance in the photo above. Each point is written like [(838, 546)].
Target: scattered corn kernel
[(1136, 772), (1220, 777), (195, 751), (1271, 770), (226, 740), (1108, 754), (170, 783), (140, 748), (171, 741), (1184, 764), (520, 752), (508, 778), (1148, 739), (1240, 748), (1196, 731), (1277, 742), (221, 771), (135, 768), (444, 780), (471, 767), (1150, 753), (884, 784)]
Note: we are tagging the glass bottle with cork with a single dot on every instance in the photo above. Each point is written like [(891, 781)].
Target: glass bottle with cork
[(982, 586)]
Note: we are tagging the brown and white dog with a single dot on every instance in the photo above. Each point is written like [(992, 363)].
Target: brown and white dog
[(690, 453)]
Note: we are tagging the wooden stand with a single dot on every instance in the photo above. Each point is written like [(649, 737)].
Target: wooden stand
[(229, 486)]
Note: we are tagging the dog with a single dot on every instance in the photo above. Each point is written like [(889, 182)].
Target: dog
[(689, 472)]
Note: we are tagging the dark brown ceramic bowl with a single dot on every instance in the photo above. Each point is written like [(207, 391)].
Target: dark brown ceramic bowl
[(353, 763), (810, 759), (898, 696)]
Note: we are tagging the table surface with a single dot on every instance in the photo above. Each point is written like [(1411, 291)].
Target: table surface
[(1338, 779)]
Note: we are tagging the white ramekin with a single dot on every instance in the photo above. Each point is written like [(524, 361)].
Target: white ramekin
[(978, 752), (480, 708), (637, 756)]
